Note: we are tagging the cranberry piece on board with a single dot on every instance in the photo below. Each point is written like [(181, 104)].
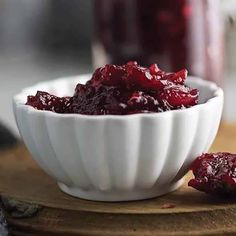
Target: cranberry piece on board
[(215, 173)]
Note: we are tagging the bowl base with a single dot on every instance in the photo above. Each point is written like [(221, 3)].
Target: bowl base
[(118, 196)]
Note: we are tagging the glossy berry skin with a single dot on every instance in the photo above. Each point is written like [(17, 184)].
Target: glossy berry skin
[(125, 89), (215, 173), (177, 97)]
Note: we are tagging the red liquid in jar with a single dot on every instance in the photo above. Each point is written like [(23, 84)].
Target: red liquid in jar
[(176, 34)]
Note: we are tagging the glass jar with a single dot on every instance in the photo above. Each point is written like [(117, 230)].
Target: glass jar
[(174, 34)]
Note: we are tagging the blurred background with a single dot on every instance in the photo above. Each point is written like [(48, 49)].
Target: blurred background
[(45, 39)]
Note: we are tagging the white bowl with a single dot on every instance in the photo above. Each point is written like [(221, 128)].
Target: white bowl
[(118, 158)]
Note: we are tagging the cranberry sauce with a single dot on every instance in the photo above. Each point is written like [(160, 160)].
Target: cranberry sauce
[(215, 174), (48, 102), (122, 90)]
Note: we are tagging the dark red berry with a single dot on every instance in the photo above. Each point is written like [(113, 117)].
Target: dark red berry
[(46, 101), (139, 101), (178, 77), (178, 97), (215, 173), (154, 69), (140, 78)]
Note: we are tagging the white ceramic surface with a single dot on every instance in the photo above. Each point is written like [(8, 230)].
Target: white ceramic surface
[(118, 158)]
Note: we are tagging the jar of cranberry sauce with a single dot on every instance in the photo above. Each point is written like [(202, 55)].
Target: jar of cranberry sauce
[(175, 34)]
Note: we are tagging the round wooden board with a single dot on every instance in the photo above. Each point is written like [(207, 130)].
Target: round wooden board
[(34, 205)]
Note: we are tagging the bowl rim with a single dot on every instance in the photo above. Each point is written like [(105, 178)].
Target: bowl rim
[(17, 101)]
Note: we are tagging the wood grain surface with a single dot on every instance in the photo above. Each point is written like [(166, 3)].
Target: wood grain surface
[(35, 206)]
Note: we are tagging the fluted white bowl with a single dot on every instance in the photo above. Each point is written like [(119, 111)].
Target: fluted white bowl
[(113, 157)]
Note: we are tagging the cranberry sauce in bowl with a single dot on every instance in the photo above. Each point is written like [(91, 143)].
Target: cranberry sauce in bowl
[(119, 157), (122, 90)]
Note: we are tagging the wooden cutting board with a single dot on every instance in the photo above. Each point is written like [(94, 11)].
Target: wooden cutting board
[(34, 205)]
